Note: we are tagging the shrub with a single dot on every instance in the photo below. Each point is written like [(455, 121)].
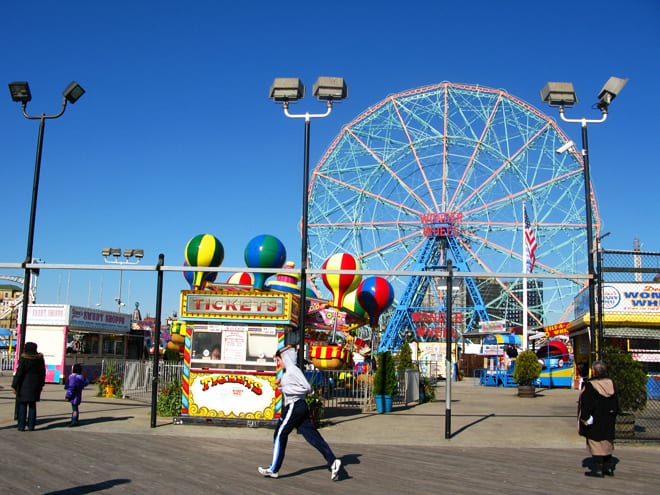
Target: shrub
[(385, 379), (527, 369), (629, 378), (405, 358), (169, 399)]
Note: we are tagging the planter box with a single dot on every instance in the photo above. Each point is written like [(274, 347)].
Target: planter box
[(624, 426), (383, 403), (526, 391)]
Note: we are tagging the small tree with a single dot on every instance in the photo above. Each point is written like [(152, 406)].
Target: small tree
[(527, 369), (405, 358), (629, 379), (385, 380)]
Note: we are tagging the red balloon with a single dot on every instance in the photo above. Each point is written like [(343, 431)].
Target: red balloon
[(375, 294)]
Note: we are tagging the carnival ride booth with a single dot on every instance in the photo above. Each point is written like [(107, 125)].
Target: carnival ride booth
[(556, 358), (231, 336), (67, 335), (499, 359)]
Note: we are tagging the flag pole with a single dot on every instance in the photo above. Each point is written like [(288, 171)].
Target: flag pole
[(524, 283)]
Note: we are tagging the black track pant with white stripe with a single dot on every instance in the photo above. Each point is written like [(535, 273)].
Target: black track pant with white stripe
[(296, 415)]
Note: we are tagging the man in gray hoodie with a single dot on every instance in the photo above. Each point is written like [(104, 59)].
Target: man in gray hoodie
[(295, 414)]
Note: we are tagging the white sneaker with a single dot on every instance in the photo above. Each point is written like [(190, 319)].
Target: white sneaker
[(334, 470), (267, 472)]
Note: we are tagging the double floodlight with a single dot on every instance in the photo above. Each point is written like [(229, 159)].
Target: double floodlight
[(20, 92), (562, 94), (290, 89), (134, 253)]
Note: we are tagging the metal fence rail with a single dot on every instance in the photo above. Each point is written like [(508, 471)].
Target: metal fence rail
[(339, 389)]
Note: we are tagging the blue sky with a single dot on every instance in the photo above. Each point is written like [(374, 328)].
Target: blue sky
[(176, 135)]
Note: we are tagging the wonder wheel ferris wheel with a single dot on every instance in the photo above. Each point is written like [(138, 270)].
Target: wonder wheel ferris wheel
[(442, 172)]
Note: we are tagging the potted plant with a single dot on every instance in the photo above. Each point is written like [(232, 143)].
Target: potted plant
[(629, 379), (385, 382), (426, 390), (315, 406), (526, 372)]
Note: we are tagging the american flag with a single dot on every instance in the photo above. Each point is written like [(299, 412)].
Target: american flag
[(530, 243)]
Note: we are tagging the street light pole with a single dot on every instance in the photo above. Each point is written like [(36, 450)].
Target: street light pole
[(20, 92), (285, 90), (562, 94)]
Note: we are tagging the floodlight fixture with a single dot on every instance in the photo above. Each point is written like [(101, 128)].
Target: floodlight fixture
[(612, 88), (286, 89), (105, 252), (116, 252), (330, 89), (138, 253), (20, 92), (559, 94), (73, 92)]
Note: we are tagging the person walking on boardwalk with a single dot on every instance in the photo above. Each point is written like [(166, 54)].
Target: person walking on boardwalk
[(28, 382), (74, 385), (295, 414), (598, 407)]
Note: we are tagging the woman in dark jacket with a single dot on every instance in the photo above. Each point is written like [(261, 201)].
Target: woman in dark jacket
[(598, 408), (27, 384)]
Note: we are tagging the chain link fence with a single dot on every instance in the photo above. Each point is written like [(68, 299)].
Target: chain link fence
[(629, 319)]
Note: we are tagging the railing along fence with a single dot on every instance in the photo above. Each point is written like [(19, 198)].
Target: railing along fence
[(6, 364), (136, 376), (339, 389)]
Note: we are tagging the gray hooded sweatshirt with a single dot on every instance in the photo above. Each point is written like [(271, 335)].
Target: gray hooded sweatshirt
[(294, 385)]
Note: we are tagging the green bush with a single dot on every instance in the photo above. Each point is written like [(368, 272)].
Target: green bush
[(169, 399), (385, 379), (405, 358), (527, 369), (629, 378), (426, 386)]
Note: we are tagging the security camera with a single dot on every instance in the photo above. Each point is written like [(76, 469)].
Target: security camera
[(565, 147)]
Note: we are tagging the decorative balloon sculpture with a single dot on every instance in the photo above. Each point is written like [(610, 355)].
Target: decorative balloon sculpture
[(351, 303), (341, 284), (189, 276), (264, 251), (375, 294), (204, 250), (241, 278)]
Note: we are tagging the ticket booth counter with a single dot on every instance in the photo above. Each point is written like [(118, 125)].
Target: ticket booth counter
[(231, 339)]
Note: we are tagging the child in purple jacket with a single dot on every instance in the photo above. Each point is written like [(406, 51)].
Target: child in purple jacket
[(74, 385)]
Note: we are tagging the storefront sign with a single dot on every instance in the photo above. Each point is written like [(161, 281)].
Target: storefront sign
[(632, 298), (99, 320), (557, 329)]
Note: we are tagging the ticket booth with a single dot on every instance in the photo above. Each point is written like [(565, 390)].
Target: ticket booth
[(231, 337)]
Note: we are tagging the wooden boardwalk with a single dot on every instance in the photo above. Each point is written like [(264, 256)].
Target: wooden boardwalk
[(498, 445)]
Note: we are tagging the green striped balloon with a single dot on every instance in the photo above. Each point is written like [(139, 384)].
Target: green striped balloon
[(203, 250)]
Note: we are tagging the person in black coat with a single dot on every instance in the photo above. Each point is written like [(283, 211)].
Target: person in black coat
[(598, 407), (27, 383)]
